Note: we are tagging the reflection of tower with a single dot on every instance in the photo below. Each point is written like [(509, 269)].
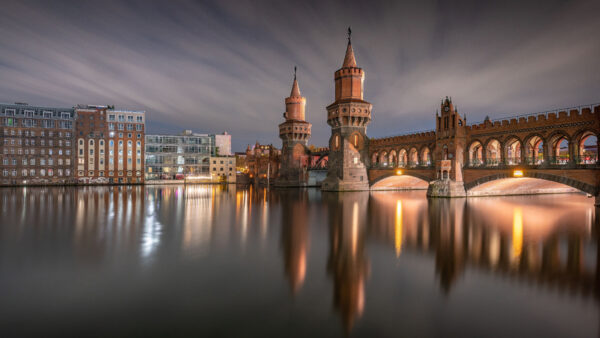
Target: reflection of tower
[(448, 236), (348, 117), (294, 236), (347, 263), (294, 134)]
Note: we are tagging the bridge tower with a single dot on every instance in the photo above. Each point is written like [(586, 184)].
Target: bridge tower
[(294, 133), (348, 117), (450, 147)]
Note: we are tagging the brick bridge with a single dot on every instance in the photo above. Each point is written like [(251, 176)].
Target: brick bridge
[(559, 146)]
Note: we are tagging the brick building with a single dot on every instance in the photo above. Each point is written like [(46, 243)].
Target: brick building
[(36, 144), (263, 162), (109, 145)]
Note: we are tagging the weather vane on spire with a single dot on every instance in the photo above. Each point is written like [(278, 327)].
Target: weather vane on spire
[(349, 34), (294, 72)]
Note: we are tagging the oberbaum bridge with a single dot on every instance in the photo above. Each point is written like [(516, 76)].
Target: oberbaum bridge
[(545, 151)]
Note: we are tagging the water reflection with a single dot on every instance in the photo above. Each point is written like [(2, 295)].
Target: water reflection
[(294, 236), (347, 263), (550, 242)]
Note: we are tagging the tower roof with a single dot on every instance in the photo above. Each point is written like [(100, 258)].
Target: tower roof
[(295, 89), (349, 60)]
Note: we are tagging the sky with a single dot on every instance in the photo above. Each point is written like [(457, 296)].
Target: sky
[(228, 65)]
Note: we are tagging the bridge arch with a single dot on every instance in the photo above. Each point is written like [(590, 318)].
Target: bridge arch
[(512, 150), (425, 156), (582, 186), (493, 152), (402, 157), (585, 142), (475, 151), (413, 157), (408, 181), (559, 143), (374, 158), (383, 158), (392, 158), (535, 149)]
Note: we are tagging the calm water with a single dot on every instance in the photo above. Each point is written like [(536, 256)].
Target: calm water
[(216, 261)]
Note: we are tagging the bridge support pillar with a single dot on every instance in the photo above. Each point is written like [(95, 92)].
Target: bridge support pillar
[(446, 188)]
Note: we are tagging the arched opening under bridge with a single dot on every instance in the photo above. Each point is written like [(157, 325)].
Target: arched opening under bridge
[(502, 184), (399, 182)]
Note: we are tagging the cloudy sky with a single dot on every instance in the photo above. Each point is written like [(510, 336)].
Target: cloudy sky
[(227, 65)]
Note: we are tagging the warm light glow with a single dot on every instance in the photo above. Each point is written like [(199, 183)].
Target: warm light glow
[(518, 173), (398, 172), (398, 228), (517, 234), (199, 177)]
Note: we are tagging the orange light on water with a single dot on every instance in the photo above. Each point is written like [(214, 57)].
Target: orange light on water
[(398, 172), (518, 173)]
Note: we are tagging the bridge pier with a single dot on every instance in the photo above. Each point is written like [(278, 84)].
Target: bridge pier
[(446, 188)]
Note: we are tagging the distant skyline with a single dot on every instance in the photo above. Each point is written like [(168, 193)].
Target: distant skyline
[(228, 65)]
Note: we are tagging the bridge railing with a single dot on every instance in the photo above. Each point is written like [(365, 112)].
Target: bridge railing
[(553, 161)]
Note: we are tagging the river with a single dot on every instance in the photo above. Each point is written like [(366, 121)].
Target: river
[(209, 260)]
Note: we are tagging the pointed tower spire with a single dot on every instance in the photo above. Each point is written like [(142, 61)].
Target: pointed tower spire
[(295, 89), (349, 60)]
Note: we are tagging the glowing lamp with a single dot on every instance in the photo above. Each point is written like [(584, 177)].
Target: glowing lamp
[(518, 173), (398, 172)]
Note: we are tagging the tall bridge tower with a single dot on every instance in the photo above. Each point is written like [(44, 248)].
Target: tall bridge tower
[(450, 147), (348, 117), (294, 133)]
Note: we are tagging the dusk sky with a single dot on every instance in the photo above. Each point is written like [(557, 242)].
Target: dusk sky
[(228, 65)]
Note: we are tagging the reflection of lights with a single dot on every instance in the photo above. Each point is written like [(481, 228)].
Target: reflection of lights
[(398, 172), (398, 228), (151, 232), (518, 173), (265, 214), (354, 228), (517, 234)]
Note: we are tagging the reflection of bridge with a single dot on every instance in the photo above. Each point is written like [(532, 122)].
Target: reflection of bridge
[(511, 240), (461, 233)]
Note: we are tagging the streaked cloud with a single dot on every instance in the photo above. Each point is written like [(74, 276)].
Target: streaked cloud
[(227, 65)]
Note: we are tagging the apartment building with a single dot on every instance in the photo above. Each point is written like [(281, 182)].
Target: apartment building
[(109, 145), (36, 144)]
